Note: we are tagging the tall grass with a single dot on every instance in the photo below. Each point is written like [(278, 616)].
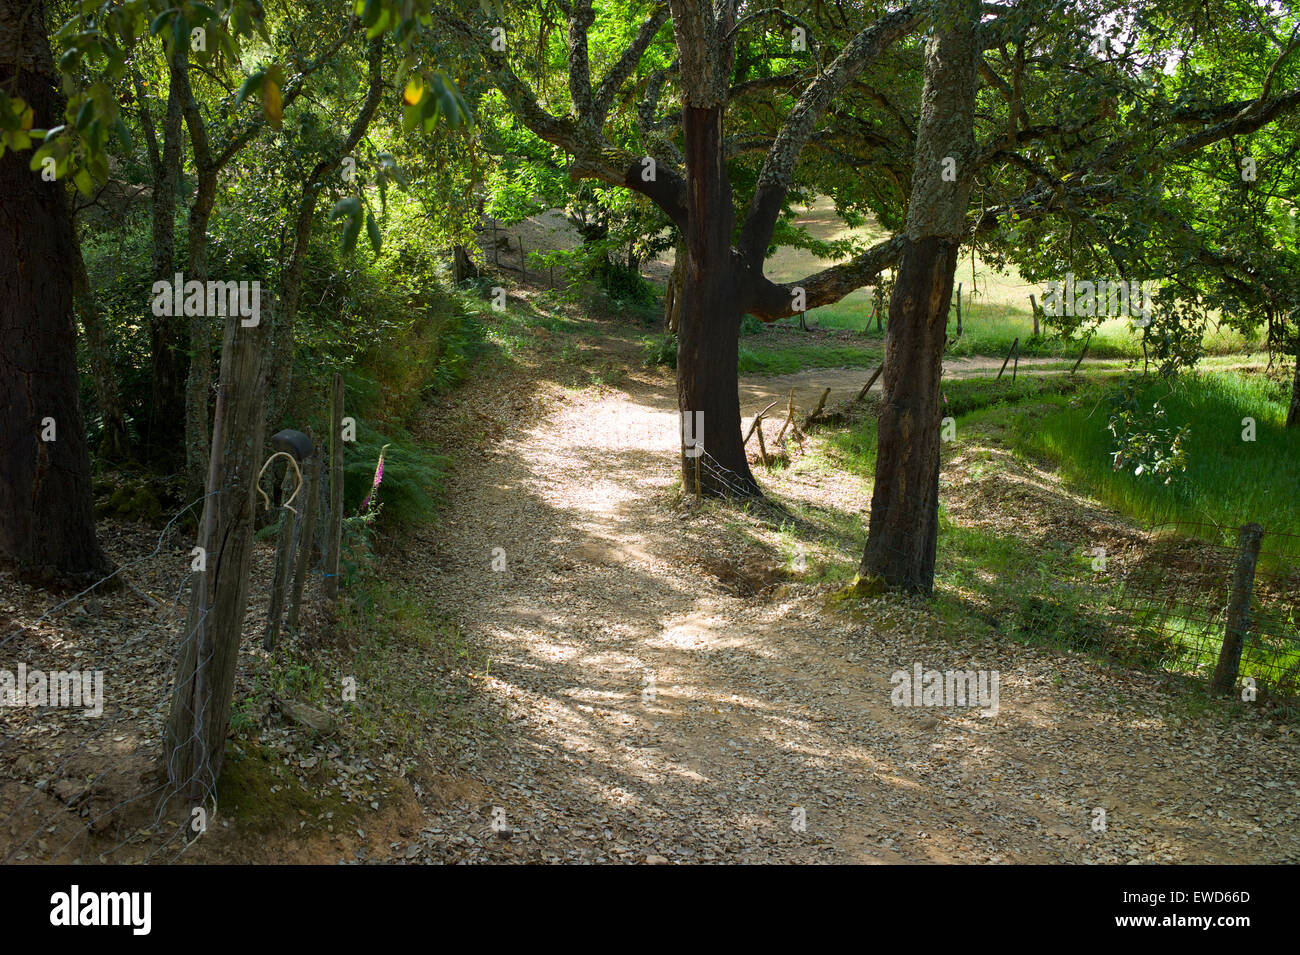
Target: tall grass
[(989, 328), (1227, 481)]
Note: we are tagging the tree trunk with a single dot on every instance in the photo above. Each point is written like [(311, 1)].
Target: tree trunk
[(710, 313), (1293, 415), (463, 267), (286, 313), (166, 337), (673, 293), (900, 551), (199, 381), (116, 442), (904, 503), (46, 520)]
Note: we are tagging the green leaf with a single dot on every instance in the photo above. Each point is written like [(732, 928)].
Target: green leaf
[(250, 86), (350, 206), (351, 229), (160, 21), (372, 231), (180, 37), (85, 114)]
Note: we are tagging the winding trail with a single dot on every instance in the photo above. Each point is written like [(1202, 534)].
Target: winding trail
[(662, 701)]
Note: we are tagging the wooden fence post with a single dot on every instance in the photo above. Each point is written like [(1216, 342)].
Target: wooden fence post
[(870, 381), (959, 310), (307, 533), (1238, 623), (199, 717), (283, 560), (1086, 342), (334, 539), (1014, 345), (789, 419)]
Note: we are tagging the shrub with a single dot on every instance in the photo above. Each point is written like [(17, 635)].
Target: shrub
[(661, 350)]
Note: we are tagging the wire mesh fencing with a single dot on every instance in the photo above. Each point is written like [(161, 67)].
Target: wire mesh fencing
[(104, 760), (1185, 596), (82, 747)]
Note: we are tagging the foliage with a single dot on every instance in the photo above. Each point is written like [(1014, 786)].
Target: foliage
[(1225, 479), (661, 349), (1144, 443)]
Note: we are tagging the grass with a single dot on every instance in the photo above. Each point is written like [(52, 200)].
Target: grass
[(995, 307), (854, 448), (756, 359), (1011, 580), (1227, 482)]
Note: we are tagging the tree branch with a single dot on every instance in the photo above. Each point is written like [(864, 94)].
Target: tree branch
[(627, 63), (777, 174), (581, 17)]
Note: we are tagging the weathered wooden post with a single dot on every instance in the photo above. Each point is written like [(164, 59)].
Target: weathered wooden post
[(1238, 623), (959, 310), (199, 718), (307, 535), (1014, 345), (789, 420), (298, 446), (1086, 342), (870, 381), (334, 540)]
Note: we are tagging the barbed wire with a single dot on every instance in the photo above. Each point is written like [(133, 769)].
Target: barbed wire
[(197, 791)]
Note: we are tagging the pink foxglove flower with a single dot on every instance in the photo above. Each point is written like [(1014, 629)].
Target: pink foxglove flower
[(379, 476)]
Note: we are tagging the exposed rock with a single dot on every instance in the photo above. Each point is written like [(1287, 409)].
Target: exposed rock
[(308, 716)]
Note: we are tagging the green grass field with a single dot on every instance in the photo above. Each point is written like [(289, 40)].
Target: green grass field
[(995, 306), (1228, 481), (759, 359), (1044, 589)]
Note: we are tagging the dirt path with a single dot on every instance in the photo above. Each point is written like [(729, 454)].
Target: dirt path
[(763, 707), (757, 391)]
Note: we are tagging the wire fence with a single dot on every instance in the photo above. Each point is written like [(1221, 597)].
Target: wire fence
[(37, 788), (105, 787), (1174, 606)]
